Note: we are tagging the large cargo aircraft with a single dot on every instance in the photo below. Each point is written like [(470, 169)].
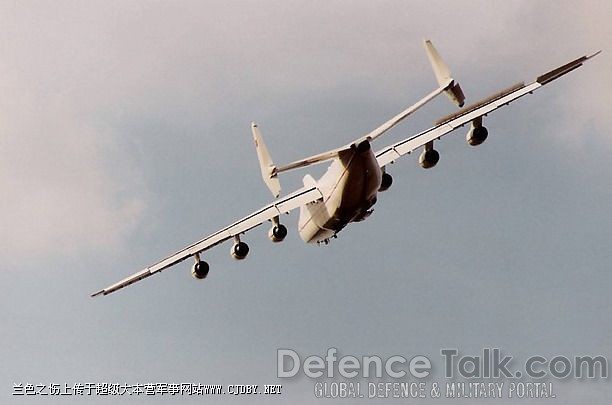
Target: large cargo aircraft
[(349, 189)]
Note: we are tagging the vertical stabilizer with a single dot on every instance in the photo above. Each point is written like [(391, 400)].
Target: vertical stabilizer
[(443, 74), (268, 170)]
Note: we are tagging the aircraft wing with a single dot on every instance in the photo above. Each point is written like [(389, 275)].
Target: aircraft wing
[(282, 205), (467, 114)]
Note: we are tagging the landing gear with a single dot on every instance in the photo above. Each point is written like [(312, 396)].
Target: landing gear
[(327, 240)]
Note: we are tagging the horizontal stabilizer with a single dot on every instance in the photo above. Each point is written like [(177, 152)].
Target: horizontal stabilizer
[(321, 157)]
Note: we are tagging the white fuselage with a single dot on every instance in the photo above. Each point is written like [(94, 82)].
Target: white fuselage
[(349, 189)]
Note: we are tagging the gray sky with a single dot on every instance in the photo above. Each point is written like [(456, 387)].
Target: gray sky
[(124, 135)]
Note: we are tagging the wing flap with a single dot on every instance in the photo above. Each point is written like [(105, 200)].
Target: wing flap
[(480, 103)]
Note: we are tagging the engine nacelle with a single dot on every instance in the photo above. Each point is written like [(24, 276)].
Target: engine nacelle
[(386, 182), (429, 158), (476, 135), (239, 250), (277, 233), (200, 270)]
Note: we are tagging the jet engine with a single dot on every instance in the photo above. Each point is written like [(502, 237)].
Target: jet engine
[(476, 135), (429, 158), (277, 233), (386, 182), (200, 270), (239, 250)]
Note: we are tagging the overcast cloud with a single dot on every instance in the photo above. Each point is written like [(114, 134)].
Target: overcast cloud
[(73, 74), (124, 134)]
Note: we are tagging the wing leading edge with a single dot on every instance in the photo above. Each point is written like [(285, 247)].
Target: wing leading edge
[(280, 206), (467, 114)]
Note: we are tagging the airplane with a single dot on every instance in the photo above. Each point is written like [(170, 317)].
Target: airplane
[(349, 189)]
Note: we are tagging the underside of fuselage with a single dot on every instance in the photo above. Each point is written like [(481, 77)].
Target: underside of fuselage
[(349, 189)]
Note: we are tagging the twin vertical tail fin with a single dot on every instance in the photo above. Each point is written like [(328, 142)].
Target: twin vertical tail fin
[(443, 74), (268, 169)]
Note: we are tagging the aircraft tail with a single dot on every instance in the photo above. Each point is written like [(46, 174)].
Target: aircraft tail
[(446, 85), (443, 74), (268, 169)]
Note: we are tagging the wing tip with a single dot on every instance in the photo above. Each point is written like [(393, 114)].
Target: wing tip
[(101, 292), (562, 70), (594, 54)]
